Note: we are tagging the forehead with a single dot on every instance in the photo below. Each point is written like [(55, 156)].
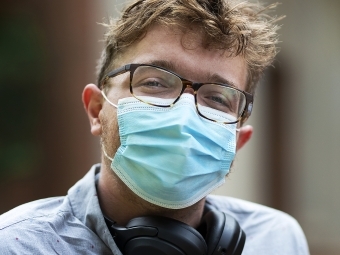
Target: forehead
[(185, 55)]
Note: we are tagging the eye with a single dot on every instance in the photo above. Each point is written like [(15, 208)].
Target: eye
[(155, 87), (220, 103), (218, 99), (152, 84), (155, 82)]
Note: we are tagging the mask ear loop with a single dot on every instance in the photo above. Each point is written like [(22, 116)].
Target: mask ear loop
[(106, 154), (108, 99)]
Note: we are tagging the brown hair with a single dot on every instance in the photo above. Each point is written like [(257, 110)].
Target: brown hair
[(242, 28)]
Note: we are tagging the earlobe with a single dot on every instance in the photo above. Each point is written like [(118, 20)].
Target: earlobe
[(92, 101), (244, 136)]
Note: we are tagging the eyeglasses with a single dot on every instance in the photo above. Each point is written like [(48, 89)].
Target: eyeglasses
[(217, 102)]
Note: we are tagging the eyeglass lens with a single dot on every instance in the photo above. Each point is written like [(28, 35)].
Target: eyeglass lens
[(214, 101)]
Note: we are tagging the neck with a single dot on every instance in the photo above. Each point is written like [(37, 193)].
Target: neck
[(121, 205)]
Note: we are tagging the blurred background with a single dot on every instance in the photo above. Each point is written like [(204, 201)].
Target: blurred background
[(48, 53)]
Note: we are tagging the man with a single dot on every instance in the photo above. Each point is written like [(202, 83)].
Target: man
[(175, 85)]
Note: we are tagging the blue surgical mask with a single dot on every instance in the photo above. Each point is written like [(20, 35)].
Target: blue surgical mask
[(172, 157)]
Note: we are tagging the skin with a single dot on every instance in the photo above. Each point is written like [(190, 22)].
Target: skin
[(192, 62)]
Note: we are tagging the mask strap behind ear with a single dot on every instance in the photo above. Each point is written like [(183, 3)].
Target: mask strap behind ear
[(108, 101), (106, 154)]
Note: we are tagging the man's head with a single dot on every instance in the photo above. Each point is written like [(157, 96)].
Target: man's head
[(214, 42), (237, 27)]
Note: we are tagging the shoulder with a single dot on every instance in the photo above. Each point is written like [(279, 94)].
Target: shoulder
[(43, 227), (248, 213), (28, 226), (268, 231), (39, 209)]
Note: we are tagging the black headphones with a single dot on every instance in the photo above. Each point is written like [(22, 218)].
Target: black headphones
[(218, 234)]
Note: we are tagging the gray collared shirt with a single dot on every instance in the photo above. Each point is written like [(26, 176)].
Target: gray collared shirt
[(74, 224)]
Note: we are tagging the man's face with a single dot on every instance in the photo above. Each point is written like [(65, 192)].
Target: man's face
[(186, 57)]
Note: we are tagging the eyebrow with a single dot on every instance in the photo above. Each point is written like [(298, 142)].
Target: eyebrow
[(165, 64), (211, 77), (219, 79)]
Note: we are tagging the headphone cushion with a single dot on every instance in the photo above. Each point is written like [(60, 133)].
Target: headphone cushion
[(172, 231), (222, 233), (211, 228)]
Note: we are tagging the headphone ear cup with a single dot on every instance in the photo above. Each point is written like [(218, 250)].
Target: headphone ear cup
[(222, 233), (171, 237), (211, 227)]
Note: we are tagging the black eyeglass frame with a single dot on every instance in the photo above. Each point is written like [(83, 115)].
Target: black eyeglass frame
[(186, 83)]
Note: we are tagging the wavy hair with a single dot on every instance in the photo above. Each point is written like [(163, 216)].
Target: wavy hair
[(240, 27)]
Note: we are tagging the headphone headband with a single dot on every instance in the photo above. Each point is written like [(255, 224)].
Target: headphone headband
[(218, 234)]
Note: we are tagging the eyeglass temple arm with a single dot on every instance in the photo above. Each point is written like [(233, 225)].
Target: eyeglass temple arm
[(116, 72), (247, 112)]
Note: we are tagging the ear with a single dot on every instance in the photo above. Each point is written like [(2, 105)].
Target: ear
[(92, 100), (244, 134)]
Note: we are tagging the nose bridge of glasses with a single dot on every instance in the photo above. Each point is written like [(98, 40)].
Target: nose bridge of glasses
[(188, 87)]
